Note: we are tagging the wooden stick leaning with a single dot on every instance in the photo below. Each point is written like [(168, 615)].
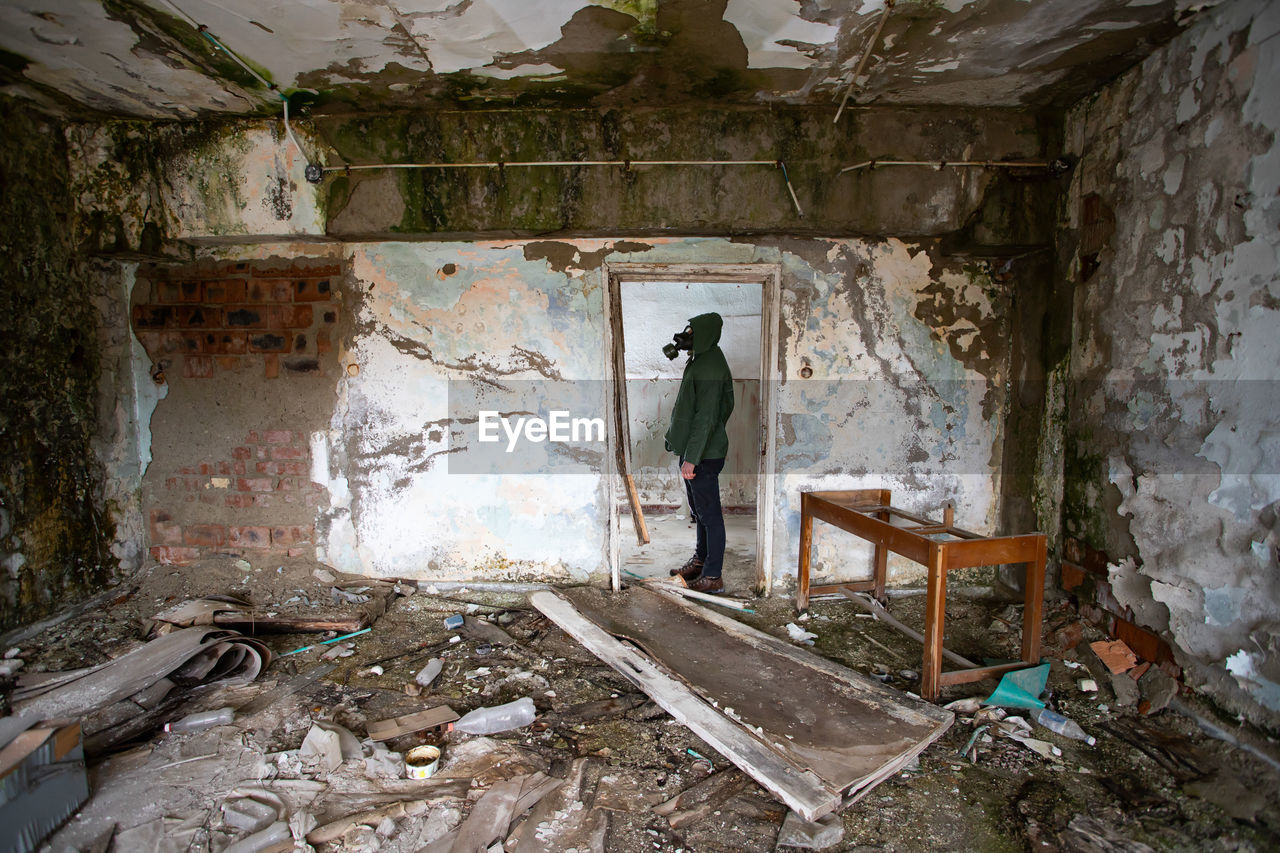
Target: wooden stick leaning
[(877, 610), (671, 586)]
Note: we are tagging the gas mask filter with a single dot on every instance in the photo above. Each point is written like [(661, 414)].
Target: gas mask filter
[(679, 341)]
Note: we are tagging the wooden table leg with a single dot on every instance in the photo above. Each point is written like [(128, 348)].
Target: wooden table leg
[(881, 570), (806, 541), (1033, 604), (935, 611)]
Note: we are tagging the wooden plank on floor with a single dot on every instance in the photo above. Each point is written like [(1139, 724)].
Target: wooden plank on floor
[(798, 788), (905, 707)]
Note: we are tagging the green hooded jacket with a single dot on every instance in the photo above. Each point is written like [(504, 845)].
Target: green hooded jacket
[(705, 399)]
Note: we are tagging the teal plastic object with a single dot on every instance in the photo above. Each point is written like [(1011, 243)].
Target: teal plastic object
[(1020, 688)]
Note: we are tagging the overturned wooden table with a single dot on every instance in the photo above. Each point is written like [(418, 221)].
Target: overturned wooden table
[(940, 547)]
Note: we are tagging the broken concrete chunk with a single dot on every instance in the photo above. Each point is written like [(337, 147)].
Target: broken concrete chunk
[(1126, 689), (965, 706), (812, 835), (1158, 689), (324, 576), (342, 650)]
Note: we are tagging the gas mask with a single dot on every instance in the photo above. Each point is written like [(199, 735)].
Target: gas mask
[(679, 341)]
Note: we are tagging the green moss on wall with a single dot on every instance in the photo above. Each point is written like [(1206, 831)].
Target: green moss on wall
[(706, 199), (54, 537), (161, 31), (1084, 516)]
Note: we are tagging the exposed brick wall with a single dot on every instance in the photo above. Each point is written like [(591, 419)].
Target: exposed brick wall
[(270, 470), (239, 317), (1084, 575), (234, 475)]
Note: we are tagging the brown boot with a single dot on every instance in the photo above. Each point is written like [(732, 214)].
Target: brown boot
[(689, 570), (705, 584)]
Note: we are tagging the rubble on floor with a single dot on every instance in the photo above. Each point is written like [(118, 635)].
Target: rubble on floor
[(601, 767)]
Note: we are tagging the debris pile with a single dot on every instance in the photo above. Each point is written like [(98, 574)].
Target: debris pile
[(314, 737)]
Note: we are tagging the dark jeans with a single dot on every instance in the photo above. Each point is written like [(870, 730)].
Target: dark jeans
[(703, 492)]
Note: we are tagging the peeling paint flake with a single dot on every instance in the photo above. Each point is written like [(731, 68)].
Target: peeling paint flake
[(541, 69), (775, 35), (464, 36)]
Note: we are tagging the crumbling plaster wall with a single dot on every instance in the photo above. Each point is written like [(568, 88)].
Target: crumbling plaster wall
[(1172, 465), (909, 365)]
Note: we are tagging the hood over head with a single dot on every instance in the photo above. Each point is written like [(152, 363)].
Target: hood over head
[(706, 331)]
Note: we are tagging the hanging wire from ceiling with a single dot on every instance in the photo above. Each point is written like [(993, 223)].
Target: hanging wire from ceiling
[(217, 43)]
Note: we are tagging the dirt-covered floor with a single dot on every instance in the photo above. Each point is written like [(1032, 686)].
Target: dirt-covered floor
[(1149, 780)]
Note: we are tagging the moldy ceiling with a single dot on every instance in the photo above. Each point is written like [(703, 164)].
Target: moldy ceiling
[(161, 59)]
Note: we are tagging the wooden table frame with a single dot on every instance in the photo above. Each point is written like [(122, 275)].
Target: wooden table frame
[(868, 514)]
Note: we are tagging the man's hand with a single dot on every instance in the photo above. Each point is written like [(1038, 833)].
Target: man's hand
[(686, 470)]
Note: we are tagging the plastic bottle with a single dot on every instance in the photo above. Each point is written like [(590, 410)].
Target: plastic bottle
[(429, 672), (202, 720), (1065, 726), (272, 836), (499, 718)]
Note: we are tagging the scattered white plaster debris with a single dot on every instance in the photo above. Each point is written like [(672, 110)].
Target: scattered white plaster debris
[(799, 634)]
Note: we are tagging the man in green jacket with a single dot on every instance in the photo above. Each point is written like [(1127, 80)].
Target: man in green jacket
[(698, 437)]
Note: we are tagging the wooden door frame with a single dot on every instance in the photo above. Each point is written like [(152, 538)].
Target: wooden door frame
[(769, 277)]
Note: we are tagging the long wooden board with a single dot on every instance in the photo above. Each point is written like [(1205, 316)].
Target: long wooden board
[(800, 789)]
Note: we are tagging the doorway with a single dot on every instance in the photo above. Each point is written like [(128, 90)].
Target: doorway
[(648, 303)]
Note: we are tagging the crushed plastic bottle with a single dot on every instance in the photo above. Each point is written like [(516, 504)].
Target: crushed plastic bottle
[(1065, 726), (429, 672), (202, 720), (499, 718)]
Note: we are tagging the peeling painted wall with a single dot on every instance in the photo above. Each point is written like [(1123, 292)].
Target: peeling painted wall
[(1172, 465), (907, 350), (909, 361)]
